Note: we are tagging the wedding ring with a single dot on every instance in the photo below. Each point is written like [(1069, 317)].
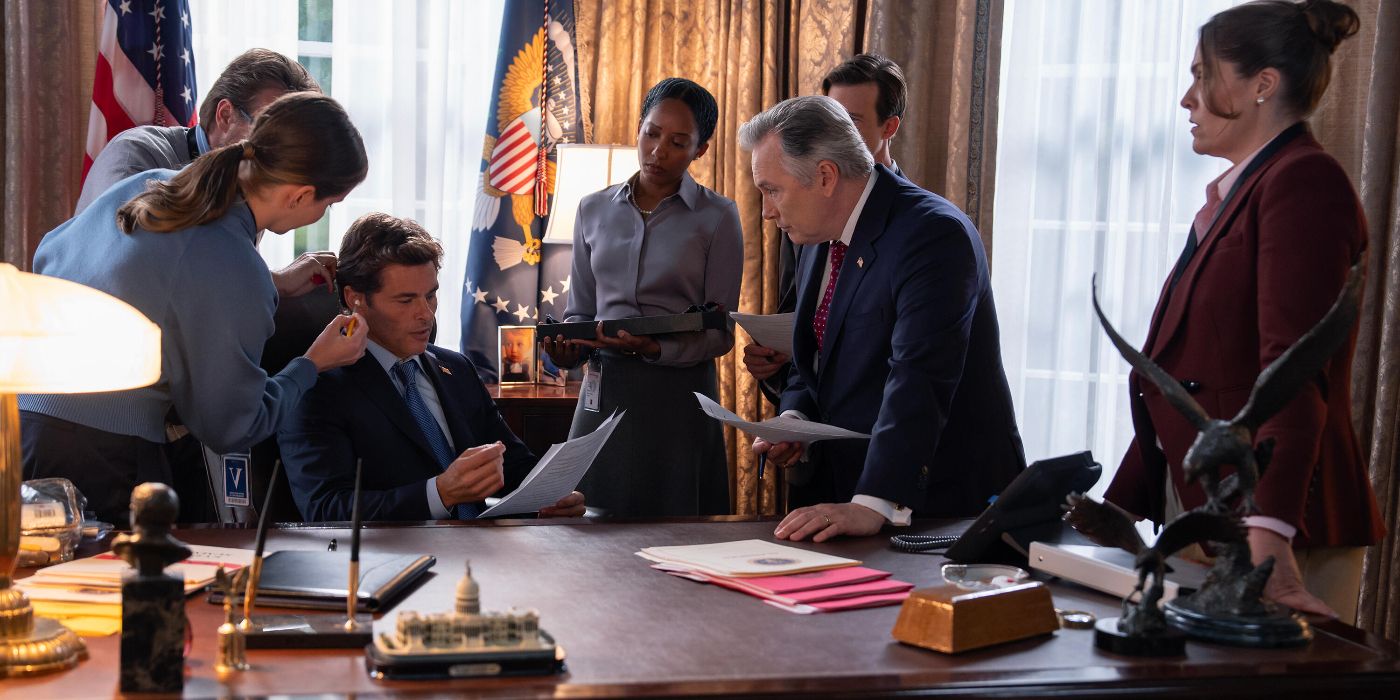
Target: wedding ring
[(826, 519)]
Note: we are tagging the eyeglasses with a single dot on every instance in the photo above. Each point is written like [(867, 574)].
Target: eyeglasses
[(246, 116)]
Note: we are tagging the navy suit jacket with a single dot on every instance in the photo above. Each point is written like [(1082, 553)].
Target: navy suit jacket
[(912, 356), (355, 412)]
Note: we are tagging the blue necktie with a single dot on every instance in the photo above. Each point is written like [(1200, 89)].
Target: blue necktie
[(406, 372)]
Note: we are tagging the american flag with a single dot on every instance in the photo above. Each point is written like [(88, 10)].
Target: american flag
[(513, 160), (145, 71)]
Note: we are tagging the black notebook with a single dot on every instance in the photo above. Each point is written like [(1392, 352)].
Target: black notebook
[(318, 580)]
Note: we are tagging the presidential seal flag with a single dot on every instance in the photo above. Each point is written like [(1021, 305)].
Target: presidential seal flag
[(512, 278)]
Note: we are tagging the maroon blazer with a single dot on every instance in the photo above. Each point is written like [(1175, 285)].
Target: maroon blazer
[(1271, 265)]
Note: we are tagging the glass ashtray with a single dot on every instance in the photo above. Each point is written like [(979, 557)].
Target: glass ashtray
[(983, 577)]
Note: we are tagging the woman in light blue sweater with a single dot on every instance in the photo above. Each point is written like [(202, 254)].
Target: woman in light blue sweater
[(181, 248)]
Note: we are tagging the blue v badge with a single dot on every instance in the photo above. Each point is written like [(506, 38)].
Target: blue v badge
[(236, 480)]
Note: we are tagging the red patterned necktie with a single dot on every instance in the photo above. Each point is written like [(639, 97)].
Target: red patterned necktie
[(838, 253)]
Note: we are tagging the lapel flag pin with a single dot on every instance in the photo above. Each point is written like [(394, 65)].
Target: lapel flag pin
[(860, 262), (447, 371)]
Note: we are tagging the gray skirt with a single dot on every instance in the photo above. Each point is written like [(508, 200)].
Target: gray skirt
[(666, 457)]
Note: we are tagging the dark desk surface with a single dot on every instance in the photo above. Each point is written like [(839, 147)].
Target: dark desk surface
[(629, 630)]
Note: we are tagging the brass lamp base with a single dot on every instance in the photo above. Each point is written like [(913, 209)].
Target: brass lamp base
[(30, 646)]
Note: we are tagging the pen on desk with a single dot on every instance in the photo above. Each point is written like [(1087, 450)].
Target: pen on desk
[(250, 593), (762, 462), (353, 589)]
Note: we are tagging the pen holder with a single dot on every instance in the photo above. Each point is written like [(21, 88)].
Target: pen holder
[(952, 619)]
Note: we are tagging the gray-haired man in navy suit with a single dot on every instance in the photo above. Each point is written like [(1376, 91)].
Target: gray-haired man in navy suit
[(895, 334)]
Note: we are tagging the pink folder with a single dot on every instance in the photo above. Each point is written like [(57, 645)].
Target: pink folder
[(830, 590), (792, 583), (868, 601)]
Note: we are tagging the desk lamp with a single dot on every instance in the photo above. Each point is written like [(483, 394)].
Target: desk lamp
[(56, 337), (582, 170)]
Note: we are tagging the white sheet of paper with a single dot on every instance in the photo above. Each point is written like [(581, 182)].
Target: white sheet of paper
[(769, 330), (744, 558), (557, 473), (780, 428)]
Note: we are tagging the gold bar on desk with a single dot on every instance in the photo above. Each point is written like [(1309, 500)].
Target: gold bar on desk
[(952, 619)]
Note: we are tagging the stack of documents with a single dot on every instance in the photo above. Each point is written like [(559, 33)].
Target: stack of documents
[(789, 578), (86, 594), (557, 473), (743, 558)]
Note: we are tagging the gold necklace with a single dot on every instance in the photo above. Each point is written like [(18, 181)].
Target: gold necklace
[(632, 196)]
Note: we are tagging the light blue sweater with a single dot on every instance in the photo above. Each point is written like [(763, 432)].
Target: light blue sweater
[(213, 298)]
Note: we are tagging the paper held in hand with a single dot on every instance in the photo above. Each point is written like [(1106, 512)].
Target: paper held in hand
[(769, 330), (743, 558), (558, 472), (780, 428)]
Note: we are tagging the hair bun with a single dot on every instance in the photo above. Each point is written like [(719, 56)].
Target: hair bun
[(1330, 22)]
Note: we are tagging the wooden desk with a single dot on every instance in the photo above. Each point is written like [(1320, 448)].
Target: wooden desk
[(539, 415), (629, 630)]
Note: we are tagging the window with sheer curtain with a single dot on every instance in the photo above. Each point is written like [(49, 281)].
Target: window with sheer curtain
[(1095, 176), (415, 76)]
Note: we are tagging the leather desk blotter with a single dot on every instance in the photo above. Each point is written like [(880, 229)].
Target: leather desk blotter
[(317, 580)]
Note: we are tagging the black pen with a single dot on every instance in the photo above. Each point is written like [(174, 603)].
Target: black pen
[(762, 462)]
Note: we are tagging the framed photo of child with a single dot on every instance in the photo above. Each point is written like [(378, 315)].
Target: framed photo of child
[(517, 354)]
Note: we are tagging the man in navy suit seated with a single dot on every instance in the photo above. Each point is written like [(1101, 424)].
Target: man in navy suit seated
[(895, 334), (433, 444)]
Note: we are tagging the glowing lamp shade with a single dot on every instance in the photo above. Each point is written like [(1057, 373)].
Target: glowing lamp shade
[(583, 169), (55, 337), (60, 337)]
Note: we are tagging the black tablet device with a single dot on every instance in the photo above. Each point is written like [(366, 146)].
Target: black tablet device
[(1028, 510)]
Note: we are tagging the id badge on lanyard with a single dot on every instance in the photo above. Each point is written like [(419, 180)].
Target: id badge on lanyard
[(236, 479), (591, 393)]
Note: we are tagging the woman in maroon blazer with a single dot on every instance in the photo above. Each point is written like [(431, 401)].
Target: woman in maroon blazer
[(1266, 258)]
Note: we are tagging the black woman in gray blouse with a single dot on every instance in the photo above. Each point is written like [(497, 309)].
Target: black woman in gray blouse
[(656, 244)]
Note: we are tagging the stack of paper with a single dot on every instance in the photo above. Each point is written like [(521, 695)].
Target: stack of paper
[(743, 558), (796, 580), (86, 594)]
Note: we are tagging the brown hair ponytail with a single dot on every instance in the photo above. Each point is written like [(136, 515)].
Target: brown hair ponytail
[(212, 185), (300, 139)]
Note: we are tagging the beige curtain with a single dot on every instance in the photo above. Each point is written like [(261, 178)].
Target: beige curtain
[(753, 54), (47, 52), (951, 55), (1358, 122)]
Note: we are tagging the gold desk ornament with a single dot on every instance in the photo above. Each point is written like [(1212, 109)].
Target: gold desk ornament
[(952, 619), (233, 647)]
